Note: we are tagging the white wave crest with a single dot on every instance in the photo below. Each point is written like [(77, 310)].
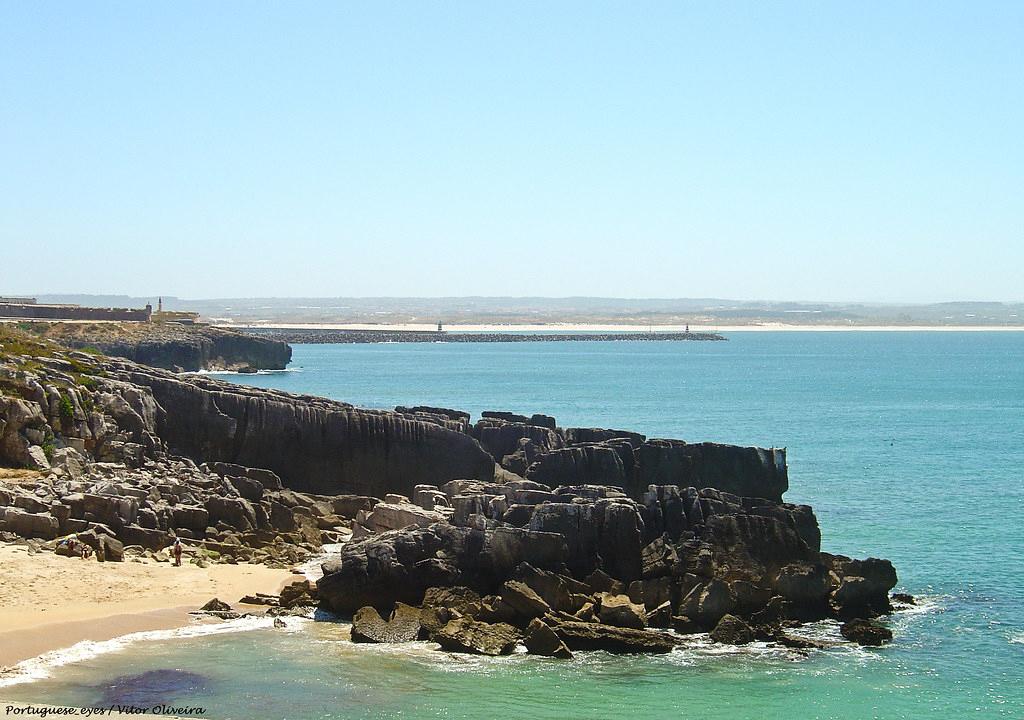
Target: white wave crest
[(43, 665), (235, 372)]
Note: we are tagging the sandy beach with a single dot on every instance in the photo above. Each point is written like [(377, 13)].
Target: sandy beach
[(577, 327), (49, 602)]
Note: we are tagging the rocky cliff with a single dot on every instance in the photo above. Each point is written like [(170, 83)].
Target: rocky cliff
[(324, 446), (171, 346), (314, 444), (510, 528)]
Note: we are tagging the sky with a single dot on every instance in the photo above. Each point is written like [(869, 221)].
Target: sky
[(806, 151)]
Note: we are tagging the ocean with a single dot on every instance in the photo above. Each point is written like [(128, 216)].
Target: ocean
[(909, 445)]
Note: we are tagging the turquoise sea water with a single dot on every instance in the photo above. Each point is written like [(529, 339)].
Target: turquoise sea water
[(910, 446)]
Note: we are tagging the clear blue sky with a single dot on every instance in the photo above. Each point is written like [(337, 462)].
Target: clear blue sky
[(820, 151)]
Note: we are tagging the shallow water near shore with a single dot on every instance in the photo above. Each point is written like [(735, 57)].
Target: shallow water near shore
[(909, 446)]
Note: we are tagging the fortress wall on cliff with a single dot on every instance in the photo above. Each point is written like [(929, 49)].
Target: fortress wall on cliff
[(30, 311)]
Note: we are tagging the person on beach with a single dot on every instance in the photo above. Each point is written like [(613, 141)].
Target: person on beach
[(177, 552)]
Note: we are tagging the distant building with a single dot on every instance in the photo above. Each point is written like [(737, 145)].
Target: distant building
[(29, 309), (11, 300)]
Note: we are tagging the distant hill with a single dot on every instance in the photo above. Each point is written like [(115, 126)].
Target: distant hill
[(535, 310)]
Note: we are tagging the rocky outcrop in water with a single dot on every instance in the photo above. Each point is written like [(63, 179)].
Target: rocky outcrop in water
[(705, 552), (444, 530)]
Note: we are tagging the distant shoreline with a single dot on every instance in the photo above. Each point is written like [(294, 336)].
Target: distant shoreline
[(612, 328)]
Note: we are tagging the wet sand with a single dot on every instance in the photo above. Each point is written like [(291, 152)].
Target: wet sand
[(48, 602)]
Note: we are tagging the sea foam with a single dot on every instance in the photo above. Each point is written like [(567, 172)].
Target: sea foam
[(42, 666)]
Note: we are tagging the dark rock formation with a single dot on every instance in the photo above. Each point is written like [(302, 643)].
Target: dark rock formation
[(312, 444), (523, 600), (300, 593), (595, 636), (400, 565), (582, 546), (865, 632), (402, 626), (540, 639), (215, 605), (620, 611), (731, 630), (594, 464), (465, 635), (175, 347), (748, 472)]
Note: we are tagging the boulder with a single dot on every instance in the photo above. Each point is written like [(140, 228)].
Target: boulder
[(266, 478), (540, 639), (506, 547), (30, 525), (524, 601), (429, 497), (36, 458), (863, 586), (657, 559), (800, 643), (191, 517), (619, 611), (69, 460), (651, 593), (110, 549), (600, 582), (805, 586), (216, 605), (749, 597), (402, 626), (560, 592), (465, 635), (595, 636), (661, 616), (865, 632), (730, 630), (282, 517), (261, 599), (233, 511), (683, 625), (299, 593), (394, 516), (460, 599), (251, 490), (708, 603)]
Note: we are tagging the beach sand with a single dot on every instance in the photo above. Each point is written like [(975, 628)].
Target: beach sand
[(49, 602)]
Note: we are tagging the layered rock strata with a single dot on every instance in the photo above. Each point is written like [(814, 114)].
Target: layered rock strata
[(479, 536)]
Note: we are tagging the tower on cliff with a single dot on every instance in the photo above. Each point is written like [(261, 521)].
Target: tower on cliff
[(159, 305)]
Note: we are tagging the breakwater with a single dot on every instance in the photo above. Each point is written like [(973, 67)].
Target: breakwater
[(308, 336)]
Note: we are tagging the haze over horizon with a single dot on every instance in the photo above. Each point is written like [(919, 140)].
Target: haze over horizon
[(105, 296), (836, 154)]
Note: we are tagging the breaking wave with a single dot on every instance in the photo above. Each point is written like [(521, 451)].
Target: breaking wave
[(42, 666)]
